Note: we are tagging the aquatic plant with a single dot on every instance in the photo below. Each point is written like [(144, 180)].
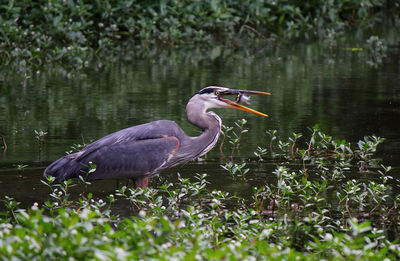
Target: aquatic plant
[(225, 130), (74, 32), (321, 148), (234, 135), (39, 135), (236, 170), (21, 166), (322, 215), (260, 153), (75, 148), (237, 135)]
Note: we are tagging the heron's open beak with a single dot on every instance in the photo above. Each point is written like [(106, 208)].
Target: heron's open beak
[(236, 105)]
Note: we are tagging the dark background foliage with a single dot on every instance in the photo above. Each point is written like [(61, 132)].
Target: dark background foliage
[(38, 32)]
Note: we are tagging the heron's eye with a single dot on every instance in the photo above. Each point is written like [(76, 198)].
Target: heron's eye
[(217, 93)]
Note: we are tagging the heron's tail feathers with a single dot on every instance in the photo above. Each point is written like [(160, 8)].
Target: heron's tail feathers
[(63, 169)]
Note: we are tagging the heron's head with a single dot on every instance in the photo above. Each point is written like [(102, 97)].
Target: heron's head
[(217, 97)]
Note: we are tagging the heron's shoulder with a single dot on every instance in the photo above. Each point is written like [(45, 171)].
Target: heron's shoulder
[(162, 123), (151, 130), (155, 125)]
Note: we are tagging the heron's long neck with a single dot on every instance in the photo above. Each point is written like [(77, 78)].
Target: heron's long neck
[(209, 122)]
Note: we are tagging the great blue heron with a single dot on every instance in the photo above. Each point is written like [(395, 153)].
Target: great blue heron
[(142, 151)]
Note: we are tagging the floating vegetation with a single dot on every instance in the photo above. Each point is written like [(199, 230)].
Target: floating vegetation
[(339, 204)]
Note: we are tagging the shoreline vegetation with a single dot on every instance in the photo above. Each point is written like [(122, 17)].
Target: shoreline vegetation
[(315, 208), (73, 33)]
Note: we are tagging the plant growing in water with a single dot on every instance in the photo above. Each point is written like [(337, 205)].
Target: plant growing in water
[(234, 134), (40, 137), (325, 216), (260, 153), (237, 135), (236, 170)]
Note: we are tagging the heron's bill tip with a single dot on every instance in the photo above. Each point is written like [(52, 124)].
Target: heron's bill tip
[(257, 92)]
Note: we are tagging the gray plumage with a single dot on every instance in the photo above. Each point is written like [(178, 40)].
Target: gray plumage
[(142, 151)]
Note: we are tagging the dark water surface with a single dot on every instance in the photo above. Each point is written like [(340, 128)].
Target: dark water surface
[(346, 97)]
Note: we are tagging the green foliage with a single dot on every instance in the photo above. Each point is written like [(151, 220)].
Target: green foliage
[(74, 31), (320, 149), (260, 153), (234, 135), (75, 148), (321, 216), (236, 170)]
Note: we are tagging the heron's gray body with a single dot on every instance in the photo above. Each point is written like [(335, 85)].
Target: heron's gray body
[(136, 152)]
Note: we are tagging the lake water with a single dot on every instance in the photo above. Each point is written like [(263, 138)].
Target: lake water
[(310, 85)]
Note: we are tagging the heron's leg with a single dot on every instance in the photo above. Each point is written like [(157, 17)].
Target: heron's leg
[(142, 182)]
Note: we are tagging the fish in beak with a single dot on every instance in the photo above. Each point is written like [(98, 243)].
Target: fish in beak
[(241, 96)]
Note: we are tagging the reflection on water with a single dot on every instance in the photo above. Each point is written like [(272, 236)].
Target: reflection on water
[(340, 92)]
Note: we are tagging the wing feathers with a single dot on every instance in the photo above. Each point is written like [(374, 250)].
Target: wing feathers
[(136, 151)]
